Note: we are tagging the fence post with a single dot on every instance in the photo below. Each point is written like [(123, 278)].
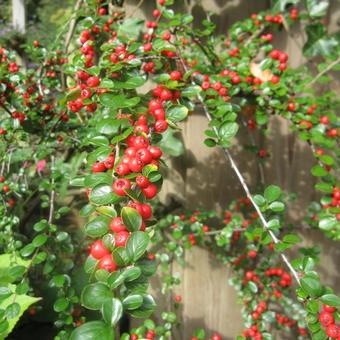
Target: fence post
[(19, 15)]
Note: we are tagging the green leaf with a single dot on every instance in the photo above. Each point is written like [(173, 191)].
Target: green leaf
[(277, 206), (176, 113), (319, 171), (61, 305), (94, 295), (317, 41), (252, 286), (108, 210), (102, 194), (317, 8), (93, 330), (136, 245), (108, 126), (132, 82), (90, 264), (328, 223), (330, 300), (272, 193), (97, 227), (131, 218), (131, 273), (22, 303), (170, 144), (12, 310), (39, 240), (311, 284), (280, 5), (227, 131), (97, 178), (259, 200), (291, 238), (120, 256), (146, 309), (191, 91), (133, 301), (119, 101), (112, 311), (7, 261)]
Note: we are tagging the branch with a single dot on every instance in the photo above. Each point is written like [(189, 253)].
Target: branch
[(135, 9), (72, 26), (246, 189), (50, 216), (327, 69)]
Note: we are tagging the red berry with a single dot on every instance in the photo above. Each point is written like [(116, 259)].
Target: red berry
[(102, 11), (93, 81), (109, 162), (146, 211), (329, 309), (98, 167), (275, 79), (175, 75), (135, 164), (140, 142), (236, 79), (107, 263), (161, 126), (156, 13), (150, 191), (324, 120), (333, 331), (155, 152), (122, 169), (98, 249), (326, 319), (145, 155), (252, 253), (142, 181), (117, 225), (291, 107), (121, 238), (120, 185), (332, 133)]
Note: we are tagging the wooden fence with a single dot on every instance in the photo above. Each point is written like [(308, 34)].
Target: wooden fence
[(202, 178)]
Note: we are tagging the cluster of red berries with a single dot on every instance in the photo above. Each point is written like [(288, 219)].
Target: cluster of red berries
[(284, 320), (253, 333), (5, 190), (281, 57), (285, 278), (326, 318), (150, 334)]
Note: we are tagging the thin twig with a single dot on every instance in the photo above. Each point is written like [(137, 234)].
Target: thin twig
[(50, 216), (72, 26), (327, 69), (135, 9)]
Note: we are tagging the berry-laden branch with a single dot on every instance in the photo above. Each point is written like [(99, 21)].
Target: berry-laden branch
[(246, 189)]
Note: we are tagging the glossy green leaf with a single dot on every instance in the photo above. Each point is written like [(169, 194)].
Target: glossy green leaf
[(112, 311), (131, 218), (94, 295), (93, 330), (136, 245)]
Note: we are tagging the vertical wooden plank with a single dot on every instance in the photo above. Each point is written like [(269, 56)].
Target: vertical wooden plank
[(19, 15)]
